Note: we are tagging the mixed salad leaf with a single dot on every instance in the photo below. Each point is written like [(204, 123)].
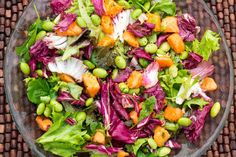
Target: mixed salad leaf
[(118, 77)]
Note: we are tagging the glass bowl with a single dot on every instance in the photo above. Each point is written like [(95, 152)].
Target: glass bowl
[(23, 112)]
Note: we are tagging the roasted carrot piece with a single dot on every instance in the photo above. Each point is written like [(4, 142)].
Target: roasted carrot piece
[(135, 80), (73, 30), (106, 41), (107, 24), (122, 153), (112, 8), (154, 19), (208, 84), (66, 78), (91, 84), (43, 123), (134, 116), (164, 61), (176, 43), (99, 137), (130, 39), (161, 135), (170, 25), (173, 114)]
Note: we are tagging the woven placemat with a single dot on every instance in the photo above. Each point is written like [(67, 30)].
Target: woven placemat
[(11, 142)]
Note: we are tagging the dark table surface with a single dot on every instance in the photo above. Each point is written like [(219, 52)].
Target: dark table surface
[(11, 142)]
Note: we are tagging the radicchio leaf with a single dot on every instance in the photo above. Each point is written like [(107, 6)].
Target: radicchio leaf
[(123, 75), (192, 61), (198, 118), (173, 144), (98, 6), (58, 6), (103, 149), (187, 27), (140, 30), (161, 39), (140, 53), (203, 70), (64, 24), (65, 96), (150, 75)]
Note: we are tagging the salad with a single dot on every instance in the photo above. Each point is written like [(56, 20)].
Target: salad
[(118, 77)]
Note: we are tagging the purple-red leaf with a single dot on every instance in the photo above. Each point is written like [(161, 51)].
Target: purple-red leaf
[(140, 30), (98, 6), (192, 61), (161, 39), (64, 24), (59, 6), (150, 75), (103, 149), (203, 70), (123, 75), (140, 53)]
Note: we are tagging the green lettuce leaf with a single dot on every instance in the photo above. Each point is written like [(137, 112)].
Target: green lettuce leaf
[(196, 101), (209, 43), (166, 6), (147, 107), (138, 143), (75, 90)]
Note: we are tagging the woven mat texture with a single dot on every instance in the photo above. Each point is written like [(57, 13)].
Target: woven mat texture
[(11, 142)]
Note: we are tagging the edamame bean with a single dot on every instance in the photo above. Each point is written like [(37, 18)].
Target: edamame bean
[(81, 22), (89, 101), (147, 6), (152, 39), (136, 13), (120, 62), (89, 64), (114, 73), (96, 20), (215, 110), (47, 112), (48, 25), (142, 41), (87, 137), (24, 67), (40, 109), (173, 70), (163, 151), (152, 143), (151, 48), (39, 72), (165, 47), (183, 55), (160, 52), (123, 87), (45, 99), (80, 117), (56, 105), (100, 73), (184, 121), (143, 62), (124, 3), (41, 35), (134, 91), (171, 126)]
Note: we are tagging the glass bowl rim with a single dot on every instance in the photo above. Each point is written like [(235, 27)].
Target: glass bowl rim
[(197, 153)]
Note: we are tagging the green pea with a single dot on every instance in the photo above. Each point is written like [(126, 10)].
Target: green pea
[(152, 39), (96, 20), (24, 67), (120, 62), (184, 121), (171, 126), (134, 91), (89, 101), (41, 35), (147, 6), (87, 137), (152, 143), (123, 87), (114, 73), (124, 3), (40, 109), (143, 62), (39, 72), (47, 112), (142, 41), (100, 73), (183, 55), (163, 151), (215, 109), (80, 117), (89, 64), (151, 48), (160, 52), (136, 13), (81, 22), (45, 99), (165, 47), (56, 105), (48, 25)]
